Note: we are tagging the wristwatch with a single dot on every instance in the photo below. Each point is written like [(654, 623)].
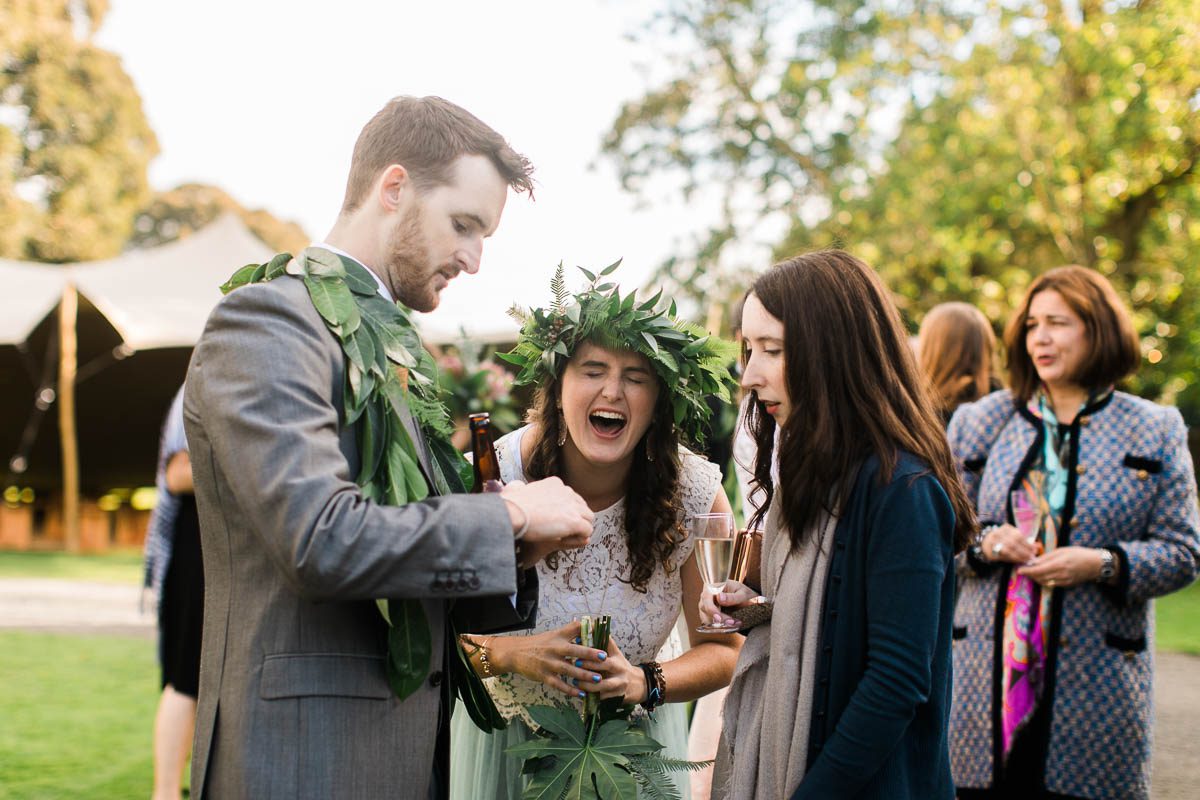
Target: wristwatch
[(1108, 565)]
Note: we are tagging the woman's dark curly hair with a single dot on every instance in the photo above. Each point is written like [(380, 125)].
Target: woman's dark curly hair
[(652, 526)]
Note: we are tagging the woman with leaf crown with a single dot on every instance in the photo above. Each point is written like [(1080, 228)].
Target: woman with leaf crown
[(621, 387)]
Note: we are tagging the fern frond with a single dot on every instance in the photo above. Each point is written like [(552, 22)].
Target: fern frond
[(558, 286)]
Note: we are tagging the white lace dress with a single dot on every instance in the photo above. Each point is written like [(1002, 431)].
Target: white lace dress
[(587, 581)]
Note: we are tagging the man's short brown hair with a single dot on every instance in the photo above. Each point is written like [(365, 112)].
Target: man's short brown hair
[(426, 135), (1114, 350)]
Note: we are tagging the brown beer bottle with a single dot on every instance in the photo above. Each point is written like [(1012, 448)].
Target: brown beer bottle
[(487, 467)]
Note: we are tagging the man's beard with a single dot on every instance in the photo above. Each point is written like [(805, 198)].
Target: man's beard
[(409, 264)]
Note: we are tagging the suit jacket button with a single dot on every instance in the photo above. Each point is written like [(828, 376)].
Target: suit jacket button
[(1074, 522), (1081, 469), (1142, 475), (1130, 655), (435, 678), (1085, 421), (474, 583), (1064, 642), (437, 584)]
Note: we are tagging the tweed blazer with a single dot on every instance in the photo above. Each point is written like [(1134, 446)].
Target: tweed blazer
[(1132, 489), (294, 701)]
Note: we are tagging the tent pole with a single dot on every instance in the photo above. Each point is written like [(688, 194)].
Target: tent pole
[(67, 436)]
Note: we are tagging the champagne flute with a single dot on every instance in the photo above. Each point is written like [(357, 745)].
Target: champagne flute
[(1027, 513), (713, 537)]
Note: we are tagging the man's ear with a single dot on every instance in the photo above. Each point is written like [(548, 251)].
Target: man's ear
[(391, 187)]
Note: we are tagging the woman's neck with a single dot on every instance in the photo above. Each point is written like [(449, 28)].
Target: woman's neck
[(1066, 400), (599, 486)]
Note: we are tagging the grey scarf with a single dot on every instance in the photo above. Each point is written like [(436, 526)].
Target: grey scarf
[(764, 745)]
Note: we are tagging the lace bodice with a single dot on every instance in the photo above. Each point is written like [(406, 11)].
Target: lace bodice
[(586, 582)]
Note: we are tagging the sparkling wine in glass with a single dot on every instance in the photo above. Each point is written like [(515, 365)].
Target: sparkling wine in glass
[(713, 535), (1027, 513)]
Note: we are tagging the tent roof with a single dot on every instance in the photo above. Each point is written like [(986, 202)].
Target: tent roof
[(157, 297), (162, 296), (31, 292)]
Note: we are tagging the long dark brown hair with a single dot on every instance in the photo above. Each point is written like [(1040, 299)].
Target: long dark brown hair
[(854, 390), (652, 527)]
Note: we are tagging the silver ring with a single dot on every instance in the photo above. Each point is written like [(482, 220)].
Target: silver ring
[(997, 547)]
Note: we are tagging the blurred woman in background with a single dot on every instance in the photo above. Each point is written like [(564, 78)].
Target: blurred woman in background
[(1054, 650), (956, 349)]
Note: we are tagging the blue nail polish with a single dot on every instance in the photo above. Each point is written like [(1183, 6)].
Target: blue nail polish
[(602, 655), (579, 662), (574, 682), (595, 679), (577, 641), (581, 694)]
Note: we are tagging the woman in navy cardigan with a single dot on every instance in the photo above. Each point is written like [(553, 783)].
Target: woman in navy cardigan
[(845, 692), (1054, 636)]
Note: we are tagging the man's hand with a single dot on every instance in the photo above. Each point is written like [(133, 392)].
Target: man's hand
[(555, 513)]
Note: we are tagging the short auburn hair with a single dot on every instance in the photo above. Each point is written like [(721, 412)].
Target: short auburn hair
[(1114, 348), (426, 135)]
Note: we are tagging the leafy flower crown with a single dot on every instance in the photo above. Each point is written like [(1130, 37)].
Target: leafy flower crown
[(691, 364)]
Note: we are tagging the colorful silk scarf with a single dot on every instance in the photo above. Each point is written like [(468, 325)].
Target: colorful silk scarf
[(1027, 603)]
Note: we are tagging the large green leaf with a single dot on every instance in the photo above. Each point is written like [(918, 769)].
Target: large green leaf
[(410, 646), (334, 303), (321, 263), (470, 690), (406, 484), (585, 764), (238, 279)]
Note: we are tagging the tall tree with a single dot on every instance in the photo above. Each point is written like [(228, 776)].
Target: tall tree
[(74, 143), (1024, 136), (187, 208)]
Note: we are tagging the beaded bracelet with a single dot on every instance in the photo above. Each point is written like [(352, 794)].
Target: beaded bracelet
[(656, 685)]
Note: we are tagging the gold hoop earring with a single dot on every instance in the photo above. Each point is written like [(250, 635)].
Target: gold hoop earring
[(562, 428)]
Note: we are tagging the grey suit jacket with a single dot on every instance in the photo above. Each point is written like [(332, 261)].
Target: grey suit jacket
[(294, 701)]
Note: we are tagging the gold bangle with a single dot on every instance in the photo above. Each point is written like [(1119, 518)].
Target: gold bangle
[(483, 660)]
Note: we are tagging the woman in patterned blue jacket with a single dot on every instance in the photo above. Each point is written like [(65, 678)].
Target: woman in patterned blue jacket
[(1054, 630)]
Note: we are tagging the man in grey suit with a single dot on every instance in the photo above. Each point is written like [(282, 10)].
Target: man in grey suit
[(294, 701)]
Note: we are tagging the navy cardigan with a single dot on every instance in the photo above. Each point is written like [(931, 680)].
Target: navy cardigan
[(882, 698)]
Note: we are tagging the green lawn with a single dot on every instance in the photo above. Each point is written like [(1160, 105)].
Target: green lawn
[(1179, 621), (78, 716), (119, 567)]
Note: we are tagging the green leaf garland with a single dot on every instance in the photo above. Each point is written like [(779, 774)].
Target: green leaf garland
[(388, 375)]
